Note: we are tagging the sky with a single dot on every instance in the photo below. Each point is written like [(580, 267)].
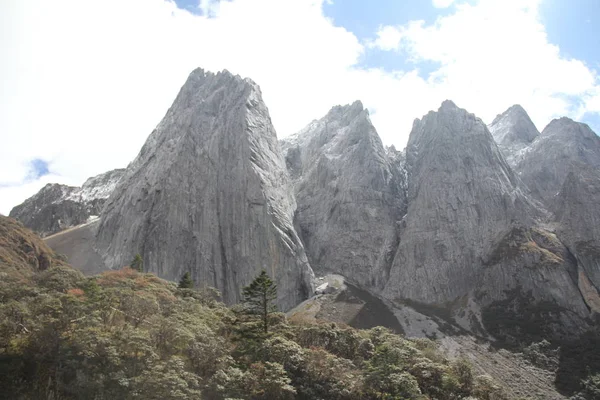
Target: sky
[(85, 82)]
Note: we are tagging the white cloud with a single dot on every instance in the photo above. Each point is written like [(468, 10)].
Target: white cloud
[(84, 82), (494, 54), (388, 38), (442, 3)]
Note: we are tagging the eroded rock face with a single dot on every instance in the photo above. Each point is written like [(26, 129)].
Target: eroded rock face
[(471, 232), (562, 146), (453, 165), (57, 207), (561, 166), (350, 195), (513, 131), (578, 214), (209, 194)]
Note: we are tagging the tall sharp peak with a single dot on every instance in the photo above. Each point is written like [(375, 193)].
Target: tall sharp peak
[(338, 116), (201, 73), (514, 111), (568, 128), (200, 76), (448, 119), (448, 105), (513, 126), (348, 111)]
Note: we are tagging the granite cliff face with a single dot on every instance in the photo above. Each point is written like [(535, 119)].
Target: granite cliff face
[(561, 167), (349, 195), (472, 238), (209, 194), (578, 215), (513, 131), (496, 227), (564, 145), (57, 207), (452, 163)]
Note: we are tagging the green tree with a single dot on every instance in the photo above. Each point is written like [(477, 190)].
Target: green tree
[(137, 263), (259, 299), (186, 282)]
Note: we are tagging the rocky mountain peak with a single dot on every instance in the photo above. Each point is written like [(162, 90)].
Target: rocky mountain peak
[(452, 160), (208, 194), (568, 129), (348, 195), (447, 105), (446, 223), (452, 127), (513, 128), (346, 112), (545, 163), (57, 207), (342, 127)]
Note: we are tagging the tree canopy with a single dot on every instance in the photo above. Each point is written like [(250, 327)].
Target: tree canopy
[(186, 281), (137, 263), (259, 299)]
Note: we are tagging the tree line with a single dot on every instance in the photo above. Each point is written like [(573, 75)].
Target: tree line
[(126, 334)]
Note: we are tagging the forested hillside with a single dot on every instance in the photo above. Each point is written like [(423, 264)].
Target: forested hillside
[(126, 334), (130, 335)]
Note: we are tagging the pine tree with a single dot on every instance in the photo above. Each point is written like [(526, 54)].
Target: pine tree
[(137, 263), (186, 282), (259, 299)]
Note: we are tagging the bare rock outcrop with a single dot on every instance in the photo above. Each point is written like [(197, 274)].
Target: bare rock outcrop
[(349, 193), (472, 237), (57, 207), (209, 194), (564, 145), (513, 131), (578, 214), (562, 168)]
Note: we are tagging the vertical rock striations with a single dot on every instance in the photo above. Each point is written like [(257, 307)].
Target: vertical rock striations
[(471, 233), (561, 167), (562, 146), (209, 194), (578, 214), (461, 195), (349, 196)]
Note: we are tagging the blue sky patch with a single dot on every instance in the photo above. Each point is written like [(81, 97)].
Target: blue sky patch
[(190, 5), (195, 6), (593, 120), (573, 25), (37, 169), (364, 19)]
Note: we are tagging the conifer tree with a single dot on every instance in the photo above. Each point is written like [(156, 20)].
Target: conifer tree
[(137, 263), (186, 282), (259, 299)]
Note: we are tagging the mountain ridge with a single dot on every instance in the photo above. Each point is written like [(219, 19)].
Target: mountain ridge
[(455, 221)]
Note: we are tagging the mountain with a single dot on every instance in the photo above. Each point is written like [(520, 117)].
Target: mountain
[(561, 167), (57, 207), (209, 194), (473, 241), (349, 196), (578, 217), (563, 146), (457, 228), (513, 131)]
